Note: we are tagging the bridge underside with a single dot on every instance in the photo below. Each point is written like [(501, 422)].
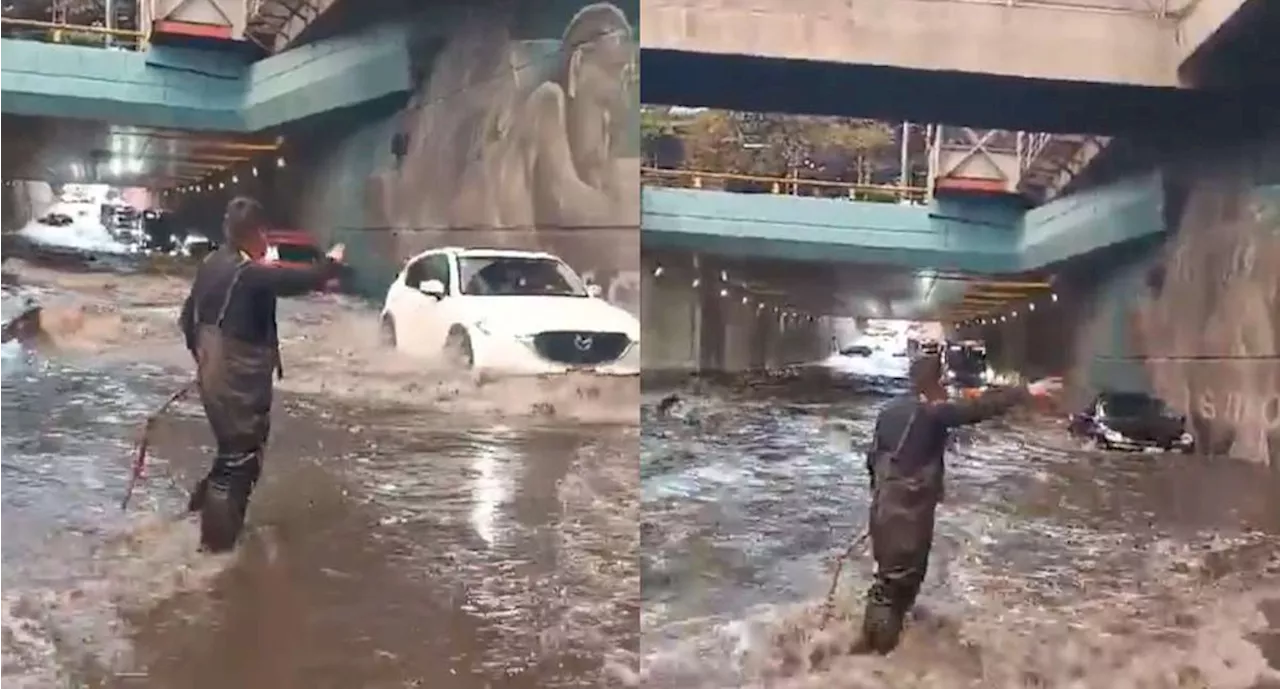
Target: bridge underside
[(80, 151), (757, 84), (1104, 41)]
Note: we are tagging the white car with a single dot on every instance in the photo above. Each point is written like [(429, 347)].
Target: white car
[(508, 312)]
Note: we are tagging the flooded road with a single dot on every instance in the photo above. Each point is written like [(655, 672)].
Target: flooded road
[(1052, 567), (412, 529)]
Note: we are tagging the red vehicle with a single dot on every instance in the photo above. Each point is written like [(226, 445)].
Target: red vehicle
[(294, 249)]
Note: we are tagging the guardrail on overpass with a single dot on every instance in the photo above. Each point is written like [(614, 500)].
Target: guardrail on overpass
[(984, 234)]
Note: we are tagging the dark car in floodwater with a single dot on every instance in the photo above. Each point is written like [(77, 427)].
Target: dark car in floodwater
[(1131, 421)]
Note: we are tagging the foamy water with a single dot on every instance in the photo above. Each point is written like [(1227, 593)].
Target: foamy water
[(86, 231), (1051, 567)]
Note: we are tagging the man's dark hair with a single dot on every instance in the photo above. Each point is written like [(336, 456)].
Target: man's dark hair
[(925, 374), (244, 218)]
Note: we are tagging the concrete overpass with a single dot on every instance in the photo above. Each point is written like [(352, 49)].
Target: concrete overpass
[(369, 122), (1080, 71), (1132, 42), (957, 259), (981, 234), (1105, 41)]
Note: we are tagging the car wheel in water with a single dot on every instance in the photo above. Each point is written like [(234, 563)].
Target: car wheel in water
[(457, 350), (387, 333)]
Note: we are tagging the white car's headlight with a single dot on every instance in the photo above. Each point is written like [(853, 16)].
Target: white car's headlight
[(1186, 439)]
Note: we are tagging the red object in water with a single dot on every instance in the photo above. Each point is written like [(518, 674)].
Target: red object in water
[(294, 249)]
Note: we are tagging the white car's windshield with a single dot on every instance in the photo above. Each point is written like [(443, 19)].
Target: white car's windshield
[(518, 276)]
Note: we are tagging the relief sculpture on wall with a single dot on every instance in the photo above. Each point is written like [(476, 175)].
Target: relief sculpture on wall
[(1209, 327), (523, 144)]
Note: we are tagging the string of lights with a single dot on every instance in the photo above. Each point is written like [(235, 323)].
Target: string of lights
[(220, 179), (737, 292), (1021, 307)]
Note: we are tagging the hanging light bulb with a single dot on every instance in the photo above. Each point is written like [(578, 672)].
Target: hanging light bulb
[(696, 282), (724, 292), (254, 170), (1053, 297), (724, 276), (745, 300), (1031, 306), (657, 272), (280, 161), (235, 179)]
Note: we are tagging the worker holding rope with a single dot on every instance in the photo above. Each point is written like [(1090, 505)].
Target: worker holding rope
[(906, 466)]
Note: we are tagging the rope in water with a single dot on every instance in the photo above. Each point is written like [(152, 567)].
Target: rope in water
[(828, 607), (144, 440)]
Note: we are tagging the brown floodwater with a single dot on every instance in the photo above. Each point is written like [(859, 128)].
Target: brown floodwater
[(1052, 566), (411, 529)]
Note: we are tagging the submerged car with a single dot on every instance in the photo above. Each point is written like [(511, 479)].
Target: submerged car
[(1131, 421), (507, 312)]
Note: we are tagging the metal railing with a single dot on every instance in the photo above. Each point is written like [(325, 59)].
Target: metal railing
[(73, 34), (790, 186)]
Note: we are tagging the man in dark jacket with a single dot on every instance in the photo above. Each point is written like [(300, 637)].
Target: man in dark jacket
[(229, 321), (906, 467)]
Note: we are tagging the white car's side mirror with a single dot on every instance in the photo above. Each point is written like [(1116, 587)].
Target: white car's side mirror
[(594, 291), (432, 288)]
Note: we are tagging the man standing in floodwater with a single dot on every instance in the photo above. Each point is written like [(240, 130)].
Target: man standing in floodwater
[(229, 321), (906, 467)]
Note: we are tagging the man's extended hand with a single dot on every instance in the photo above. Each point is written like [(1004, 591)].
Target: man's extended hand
[(337, 253), (1045, 386)]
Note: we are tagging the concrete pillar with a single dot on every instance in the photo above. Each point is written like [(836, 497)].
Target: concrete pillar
[(670, 318)]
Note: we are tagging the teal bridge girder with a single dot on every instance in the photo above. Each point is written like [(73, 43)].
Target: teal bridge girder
[(989, 235), (201, 89)]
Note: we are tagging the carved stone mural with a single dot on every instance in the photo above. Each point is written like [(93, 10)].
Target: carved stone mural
[(1201, 320), (522, 143)]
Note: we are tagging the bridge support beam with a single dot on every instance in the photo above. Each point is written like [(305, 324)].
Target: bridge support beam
[(968, 159), (217, 19)]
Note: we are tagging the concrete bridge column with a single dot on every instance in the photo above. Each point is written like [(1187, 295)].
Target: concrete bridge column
[(671, 319)]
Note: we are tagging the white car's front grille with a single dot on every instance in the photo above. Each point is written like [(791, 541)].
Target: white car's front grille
[(581, 348)]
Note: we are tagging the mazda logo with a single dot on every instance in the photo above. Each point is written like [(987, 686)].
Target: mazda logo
[(582, 342)]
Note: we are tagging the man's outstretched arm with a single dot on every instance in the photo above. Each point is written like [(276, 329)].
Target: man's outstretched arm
[(988, 405), (993, 403), (292, 282)]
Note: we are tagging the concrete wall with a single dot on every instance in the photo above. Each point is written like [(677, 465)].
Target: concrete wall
[(690, 324), (522, 131), (1041, 41)]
